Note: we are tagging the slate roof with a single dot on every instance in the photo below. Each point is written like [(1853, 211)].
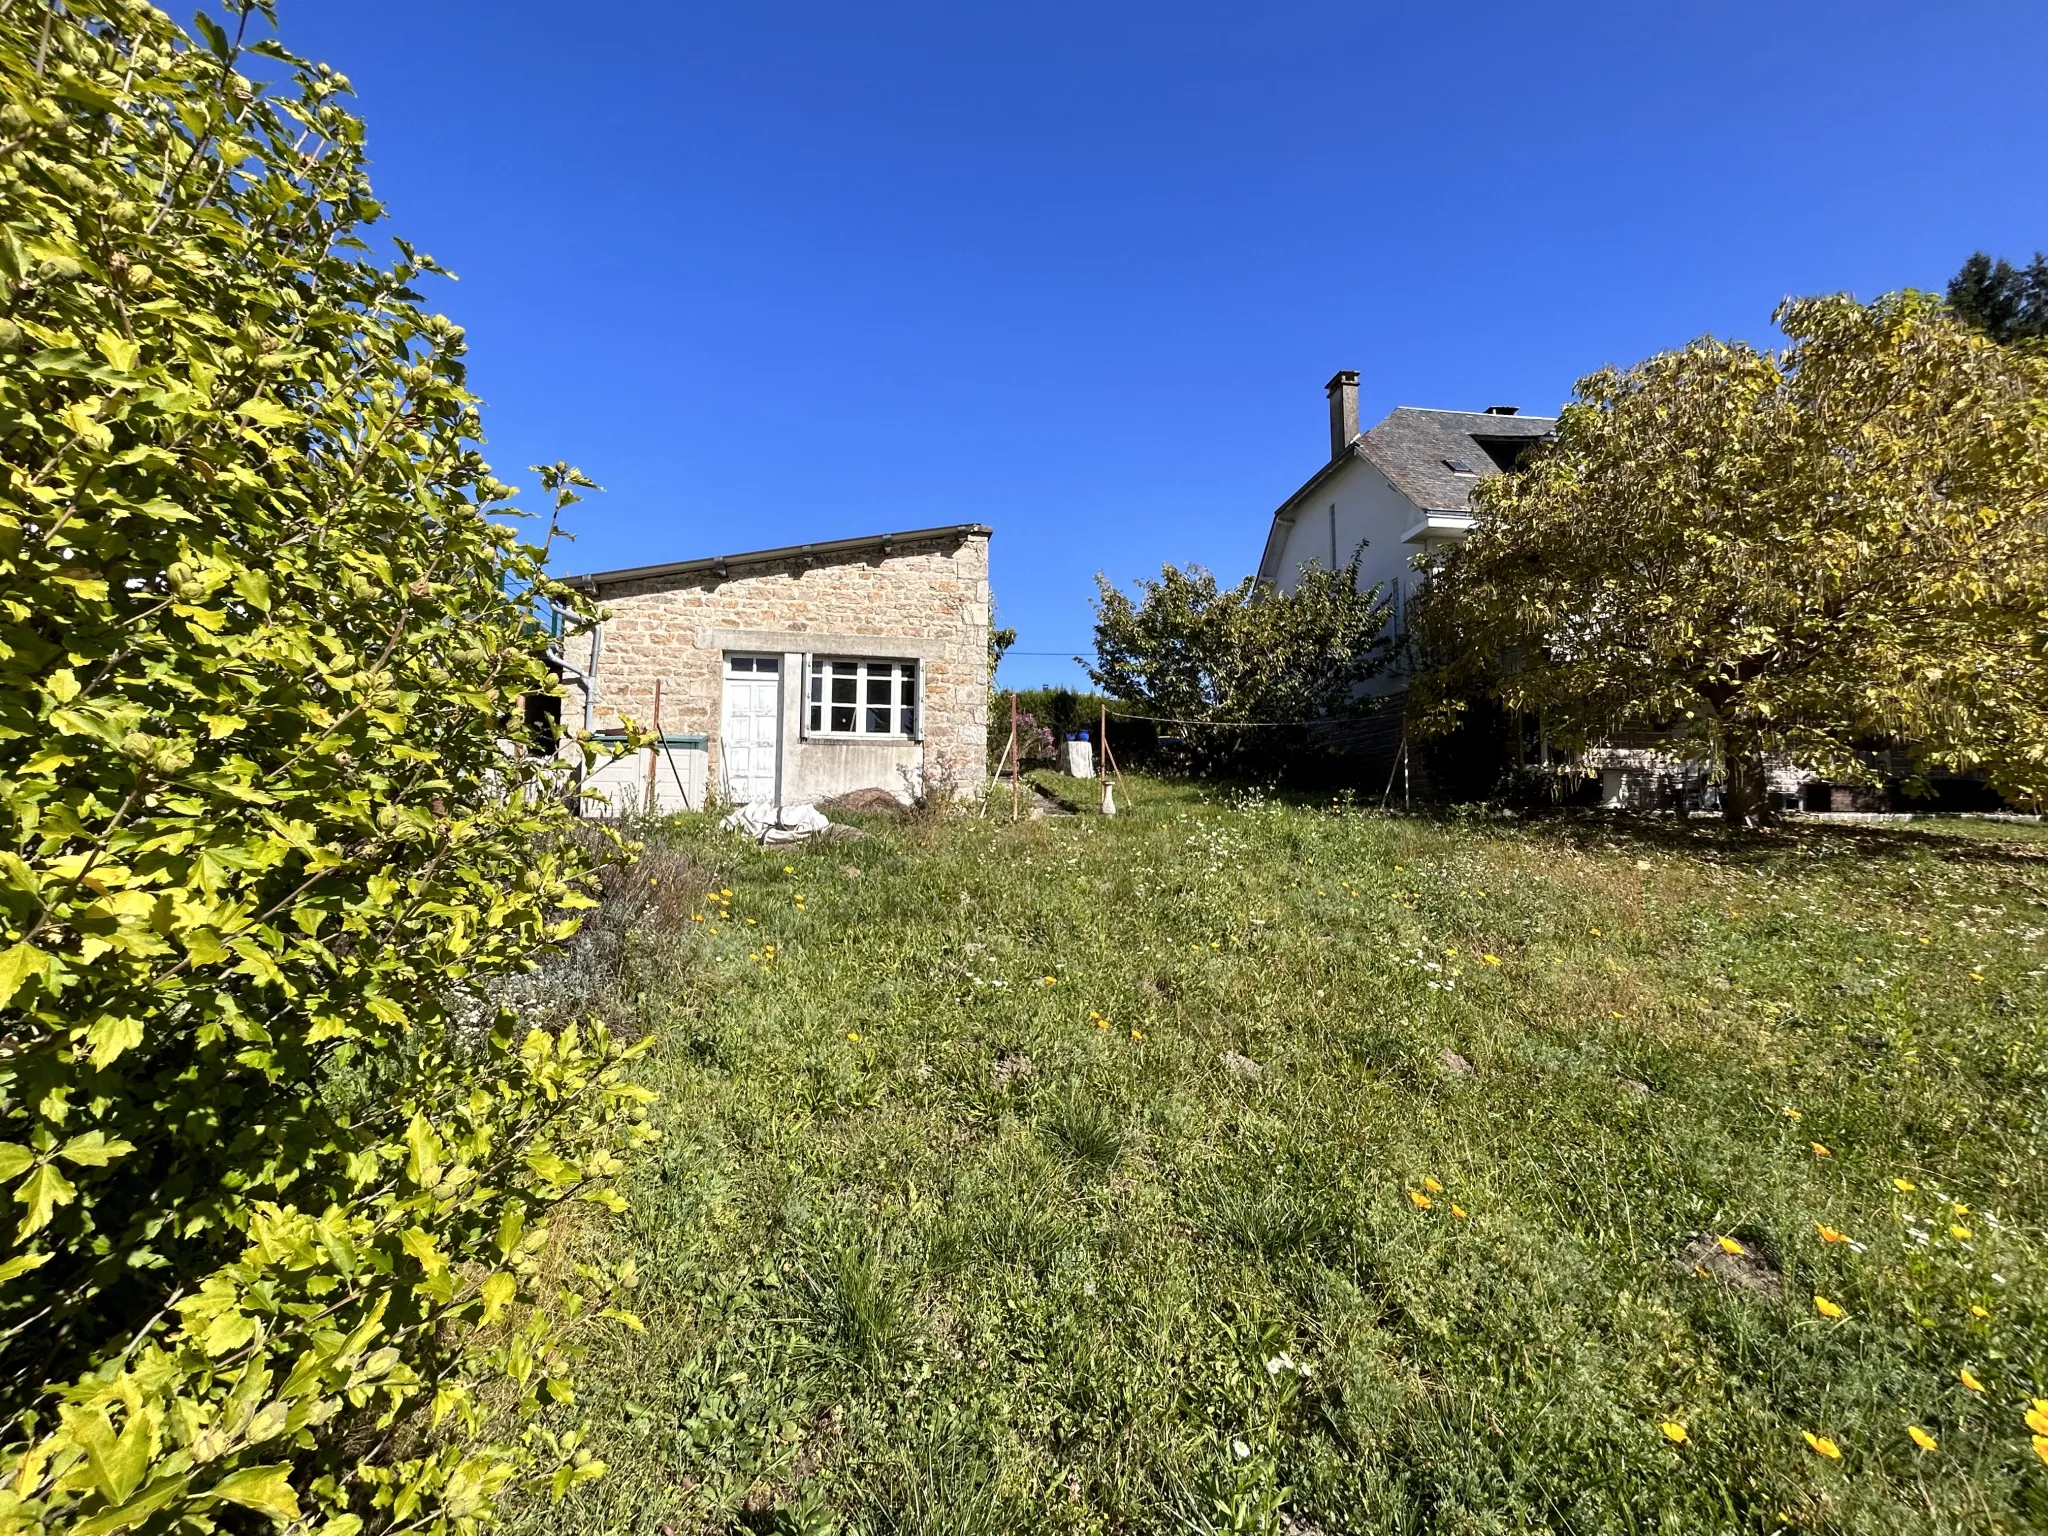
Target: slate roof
[(1413, 448)]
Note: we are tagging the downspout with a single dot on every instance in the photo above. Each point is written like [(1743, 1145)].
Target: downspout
[(587, 681)]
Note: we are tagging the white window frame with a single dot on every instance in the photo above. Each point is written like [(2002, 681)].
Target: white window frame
[(904, 676)]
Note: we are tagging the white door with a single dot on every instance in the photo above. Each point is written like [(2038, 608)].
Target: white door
[(752, 735)]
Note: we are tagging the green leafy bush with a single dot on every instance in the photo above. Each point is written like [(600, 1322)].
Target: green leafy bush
[(280, 1163), (1207, 659)]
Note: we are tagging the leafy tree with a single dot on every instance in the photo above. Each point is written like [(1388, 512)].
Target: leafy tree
[(2007, 303), (1192, 652), (281, 1167), (1813, 552)]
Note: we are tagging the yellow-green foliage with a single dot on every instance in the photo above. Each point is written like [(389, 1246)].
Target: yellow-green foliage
[(1817, 551), (279, 1165)]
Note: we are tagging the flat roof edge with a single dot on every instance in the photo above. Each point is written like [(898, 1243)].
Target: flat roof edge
[(824, 549)]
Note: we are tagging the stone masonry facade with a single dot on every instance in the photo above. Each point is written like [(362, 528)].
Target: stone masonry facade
[(922, 596)]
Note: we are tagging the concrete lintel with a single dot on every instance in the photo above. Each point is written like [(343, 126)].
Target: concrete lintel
[(1440, 525), (793, 642)]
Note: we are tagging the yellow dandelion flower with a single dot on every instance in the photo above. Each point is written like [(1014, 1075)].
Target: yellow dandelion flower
[(1137, 1034), (1969, 1381), (1049, 981), (1432, 1186), (1976, 975), (1925, 940), (2041, 1446), (1821, 1151), (1960, 1234), (1458, 1211), (1450, 954), (1828, 1234), (1594, 931), (1418, 1199), (1102, 1023), (1729, 1245), (853, 1035), (1922, 1438), (1793, 1114), (2037, 1419), (1977, 1311), (1959, 1208), (696, 917), (1904, 1186), (1673, 1431), (1821, 1445), (1491, 959), (789, 869), (1827, 1308)]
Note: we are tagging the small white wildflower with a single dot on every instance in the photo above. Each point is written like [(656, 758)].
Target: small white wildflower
[(1239, 1449), (1278, 1364)]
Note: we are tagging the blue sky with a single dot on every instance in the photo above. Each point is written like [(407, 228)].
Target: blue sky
[(781, 272)]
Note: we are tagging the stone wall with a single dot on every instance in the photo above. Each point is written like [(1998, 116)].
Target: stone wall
[(926, 600)]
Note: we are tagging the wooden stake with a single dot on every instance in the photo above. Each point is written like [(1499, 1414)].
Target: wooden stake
[(1107, 765), (1016, 761), (654, 753)]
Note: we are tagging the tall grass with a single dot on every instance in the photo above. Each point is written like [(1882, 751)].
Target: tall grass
[(1254, 1166)]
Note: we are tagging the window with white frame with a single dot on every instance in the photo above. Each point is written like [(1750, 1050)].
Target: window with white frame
[(862, 698)]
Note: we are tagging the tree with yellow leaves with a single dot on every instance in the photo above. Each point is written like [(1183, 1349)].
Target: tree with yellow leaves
[(1816, 552)]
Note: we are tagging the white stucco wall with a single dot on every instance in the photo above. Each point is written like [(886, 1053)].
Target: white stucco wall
[(1368, 509)]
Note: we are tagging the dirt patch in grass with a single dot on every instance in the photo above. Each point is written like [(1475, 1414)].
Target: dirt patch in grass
[(1708, 1255), (865, 802)]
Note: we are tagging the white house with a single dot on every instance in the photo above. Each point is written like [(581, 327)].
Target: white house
[(1402, 489)]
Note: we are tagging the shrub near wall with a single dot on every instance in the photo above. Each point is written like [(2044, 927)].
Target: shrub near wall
[(277, 1171)]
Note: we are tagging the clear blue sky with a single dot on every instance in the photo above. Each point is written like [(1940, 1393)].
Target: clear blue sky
[(781, 272)]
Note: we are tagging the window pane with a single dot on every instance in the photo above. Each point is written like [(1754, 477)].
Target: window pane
[(817, 718), (878, 722), (845, 690), (845, 668), (842, 717), (910, 682), (909, 714), (743, 663), (879, 684), (768, 664), (817, 687)]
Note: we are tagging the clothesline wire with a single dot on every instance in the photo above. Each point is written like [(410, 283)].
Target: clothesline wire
[(1160, 719), (1177, 720)]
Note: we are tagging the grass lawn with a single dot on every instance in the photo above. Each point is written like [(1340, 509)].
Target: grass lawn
[(1236, 1165)]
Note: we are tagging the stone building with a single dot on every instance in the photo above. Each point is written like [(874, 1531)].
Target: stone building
[(789, 676)]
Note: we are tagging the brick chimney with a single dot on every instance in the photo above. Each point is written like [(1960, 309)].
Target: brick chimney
[(1343, 391)]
